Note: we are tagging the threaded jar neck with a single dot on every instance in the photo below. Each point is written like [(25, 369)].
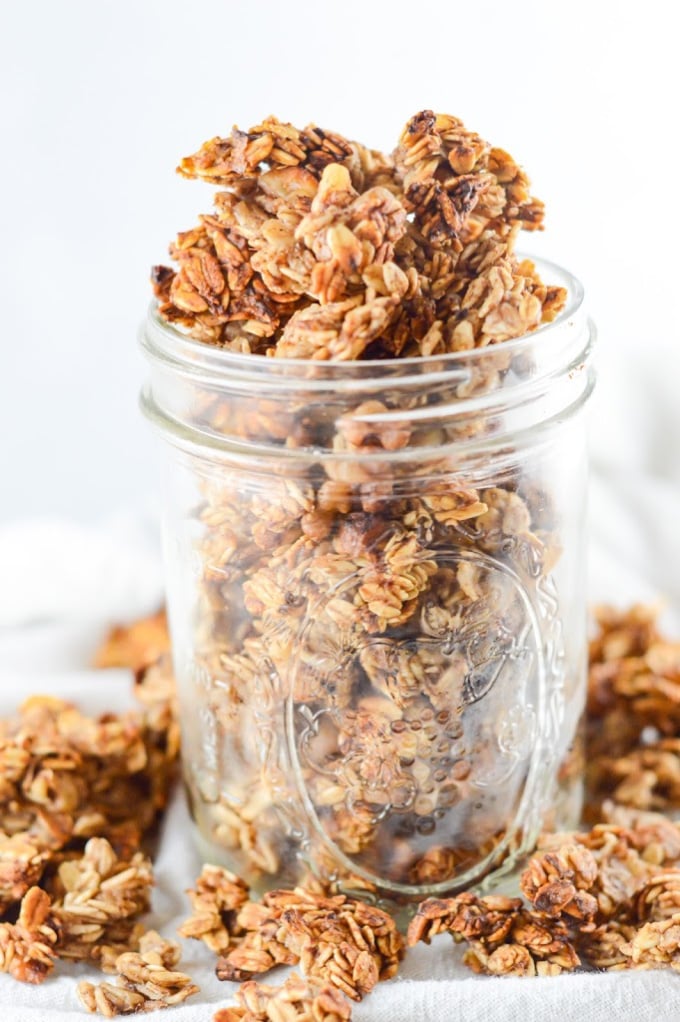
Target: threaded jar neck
[(248, 406)]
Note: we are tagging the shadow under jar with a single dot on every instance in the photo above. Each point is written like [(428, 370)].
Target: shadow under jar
[(375, 577)]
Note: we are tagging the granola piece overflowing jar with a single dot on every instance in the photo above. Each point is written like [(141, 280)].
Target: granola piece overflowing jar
[(377, 603)]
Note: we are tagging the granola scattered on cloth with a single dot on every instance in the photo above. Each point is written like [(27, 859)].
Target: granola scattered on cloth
[(296, 1000), (146, 981), (337, 940), (78, 796), (608, 898)]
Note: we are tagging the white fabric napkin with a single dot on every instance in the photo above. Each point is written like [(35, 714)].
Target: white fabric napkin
[(91, 577)]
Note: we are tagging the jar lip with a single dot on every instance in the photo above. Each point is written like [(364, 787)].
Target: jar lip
[(172, 343)]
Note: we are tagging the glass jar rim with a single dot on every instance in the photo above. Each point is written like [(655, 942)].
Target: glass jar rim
[(164, 342)]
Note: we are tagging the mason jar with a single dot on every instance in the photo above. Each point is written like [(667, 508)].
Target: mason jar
[(376, 595)]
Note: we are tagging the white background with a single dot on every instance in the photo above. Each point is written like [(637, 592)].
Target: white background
[(102, 97)]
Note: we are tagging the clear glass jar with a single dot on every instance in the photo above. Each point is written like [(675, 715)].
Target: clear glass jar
[(376, 591)]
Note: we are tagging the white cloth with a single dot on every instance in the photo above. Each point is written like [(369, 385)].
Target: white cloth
[(45, 645)]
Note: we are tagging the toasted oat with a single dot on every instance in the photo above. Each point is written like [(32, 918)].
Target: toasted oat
[(27, 947), (633, 713), (216, 901), (98, 899), (295, 1001), (309, 253), (336, 940), (135, 645), (146, 981)]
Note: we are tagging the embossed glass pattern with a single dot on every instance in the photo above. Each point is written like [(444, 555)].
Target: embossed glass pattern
[(376, 596)]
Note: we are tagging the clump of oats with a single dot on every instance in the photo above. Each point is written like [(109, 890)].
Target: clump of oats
[(335, 940), (68, 777), (633, 713), (607, 898), (296, 1000), (216, 900), (146, 981), (27, 947), (77, 796), (97, 900), (504, 937), (322, 249)]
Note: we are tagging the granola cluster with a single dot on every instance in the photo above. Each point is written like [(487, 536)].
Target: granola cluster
[(98, 899), (608, 898), (67, 777), (335, 939), (27, 946), (294, 1001), (78, 796), (633, 713), (319, 248), (146, 980)]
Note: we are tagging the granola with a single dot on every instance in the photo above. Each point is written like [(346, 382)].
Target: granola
[(77, 797), (27, 947), (504, 937), (146, 981), (387, 710), (97, 899), (216, 901), (74, 776), (372, 586), (606, 898), (633, 713), (335, 940), (296, 1000), (320, 248)]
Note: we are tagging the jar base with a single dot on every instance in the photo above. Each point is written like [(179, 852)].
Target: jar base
[(564, 815)]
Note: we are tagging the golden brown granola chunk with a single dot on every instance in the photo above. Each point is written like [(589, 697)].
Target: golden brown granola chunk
[(296, 1000), (27, 947), (504, 937), (558, 883), (336, 940), (311, 252), (135, 645), (216, 900), (98, 899), (146, 981)]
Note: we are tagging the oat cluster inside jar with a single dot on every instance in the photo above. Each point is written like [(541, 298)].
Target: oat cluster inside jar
[(362, 651)]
